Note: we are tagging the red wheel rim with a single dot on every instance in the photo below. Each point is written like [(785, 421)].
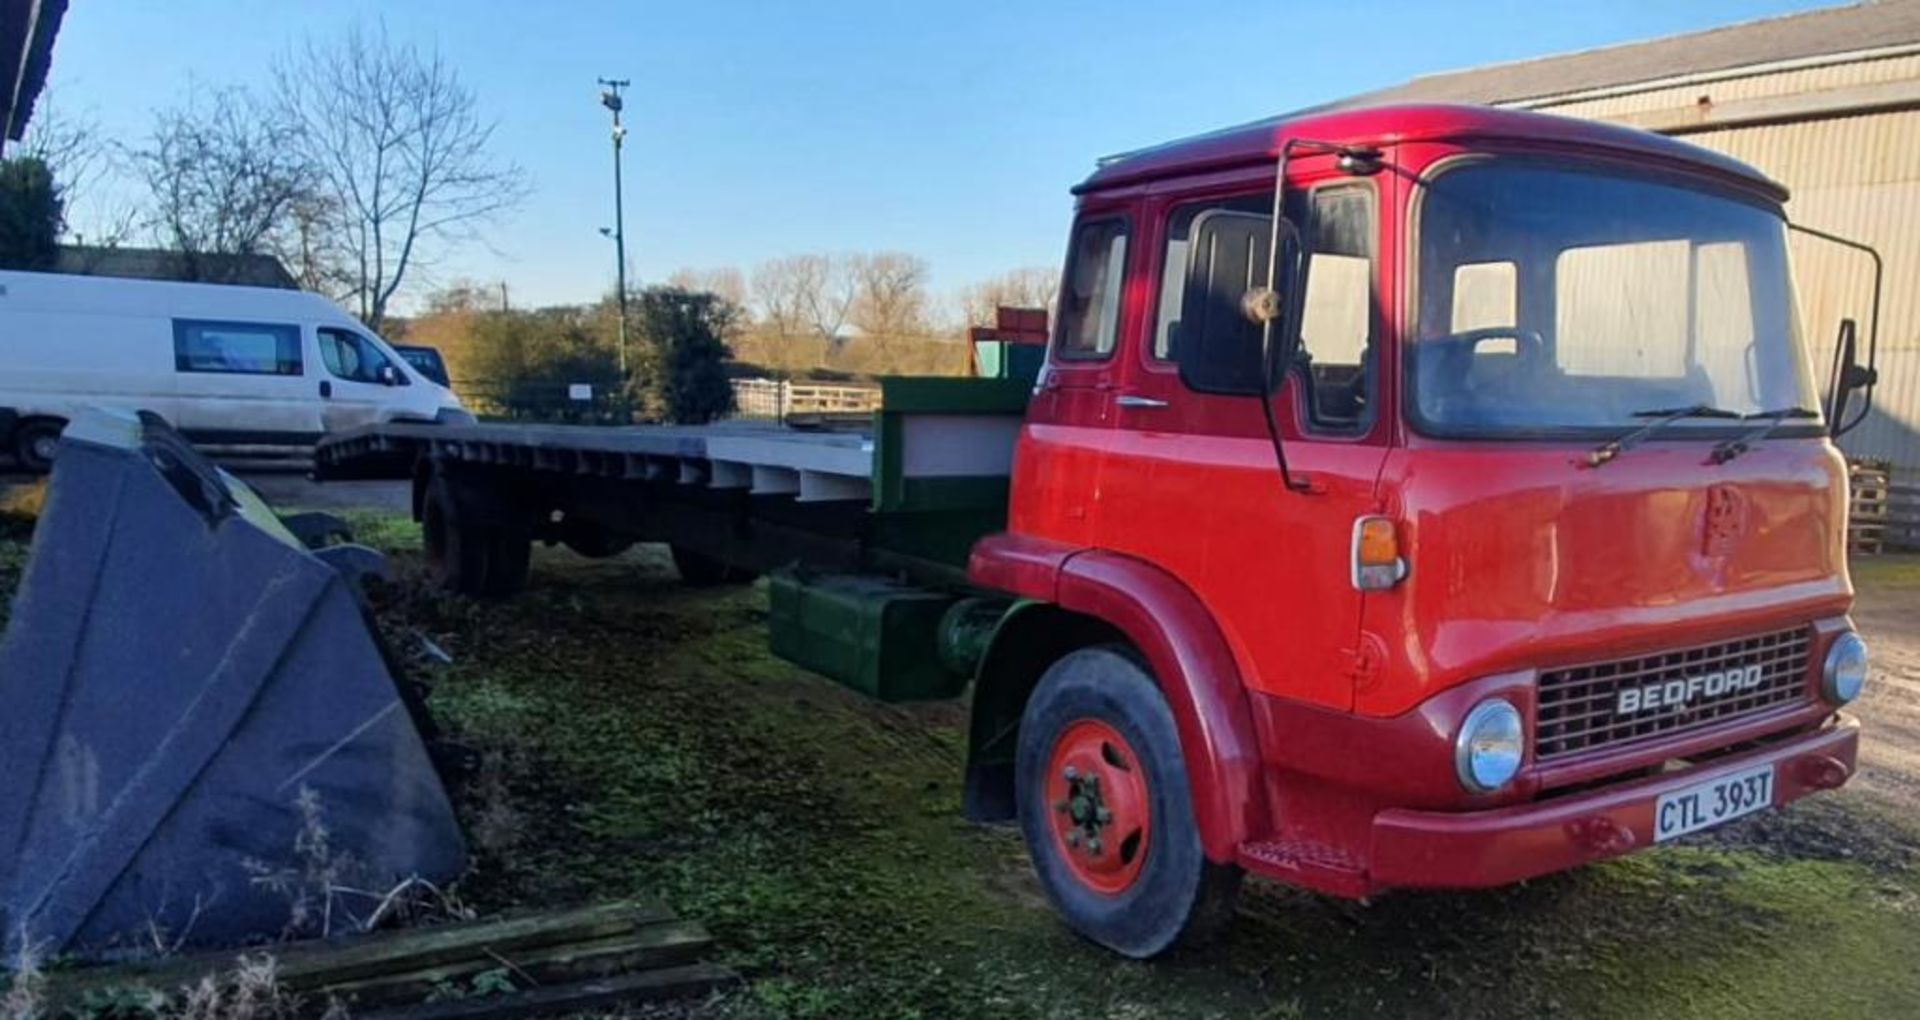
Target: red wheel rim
[(1097, 806)]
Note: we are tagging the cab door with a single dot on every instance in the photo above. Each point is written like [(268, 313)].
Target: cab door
[(357, 379), (1070, 419), (1191, 482)]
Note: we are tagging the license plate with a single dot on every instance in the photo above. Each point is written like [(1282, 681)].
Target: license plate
[(1712, 802)]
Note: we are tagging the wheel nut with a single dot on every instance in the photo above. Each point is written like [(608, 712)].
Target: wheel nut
[(1093, 846), (1071, 773)]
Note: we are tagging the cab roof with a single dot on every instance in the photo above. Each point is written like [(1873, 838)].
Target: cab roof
[(1260, 141)]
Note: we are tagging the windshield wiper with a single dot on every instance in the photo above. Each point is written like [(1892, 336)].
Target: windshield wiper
[(1662, 417), (1738, 445)]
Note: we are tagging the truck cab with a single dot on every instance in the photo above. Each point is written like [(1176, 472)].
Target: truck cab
[(1492, 528)]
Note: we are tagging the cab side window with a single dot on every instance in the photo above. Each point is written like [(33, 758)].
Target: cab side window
[(1217, 251), (1336, 313), (1090, 291), (353, 357)]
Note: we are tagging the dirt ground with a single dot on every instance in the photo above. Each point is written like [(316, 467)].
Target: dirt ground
[(1888, 615)]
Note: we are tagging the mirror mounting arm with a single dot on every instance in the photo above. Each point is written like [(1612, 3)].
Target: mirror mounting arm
[(1847, 373), (1265, 306)]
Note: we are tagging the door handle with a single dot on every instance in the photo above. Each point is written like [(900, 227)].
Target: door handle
[(1135, 400), (326, 389)]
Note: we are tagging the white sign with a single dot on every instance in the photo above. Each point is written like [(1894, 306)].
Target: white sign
[(580, 391)]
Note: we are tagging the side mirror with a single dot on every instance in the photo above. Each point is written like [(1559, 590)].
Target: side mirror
[(1848, 376)]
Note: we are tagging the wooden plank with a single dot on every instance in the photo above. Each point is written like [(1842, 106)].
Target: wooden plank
[(319, 962), (650, 948), (577, 997)]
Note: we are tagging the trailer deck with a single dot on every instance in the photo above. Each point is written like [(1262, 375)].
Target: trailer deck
[(764, 458)]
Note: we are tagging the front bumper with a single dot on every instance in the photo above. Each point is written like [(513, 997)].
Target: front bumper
[(1435, 849)]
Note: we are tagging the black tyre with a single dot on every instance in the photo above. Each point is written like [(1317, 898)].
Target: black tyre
[(699, 570), (1107, 813), (35, 442), (473, 549)]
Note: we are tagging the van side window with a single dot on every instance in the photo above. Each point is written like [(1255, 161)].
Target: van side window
[(239, 348), (353, 357), (1090, 294)]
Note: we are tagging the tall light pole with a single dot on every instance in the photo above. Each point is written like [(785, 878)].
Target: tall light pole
[(610, 98)]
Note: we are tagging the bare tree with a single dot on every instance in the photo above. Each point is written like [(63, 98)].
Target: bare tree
[(83, 163), (310, 244), (222, 177), (1031, 287), (826, 289), (725, 281), (780, 305), (890, 294), (398, 144)]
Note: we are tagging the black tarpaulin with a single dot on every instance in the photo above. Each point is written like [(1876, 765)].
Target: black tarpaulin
[(190, 701)]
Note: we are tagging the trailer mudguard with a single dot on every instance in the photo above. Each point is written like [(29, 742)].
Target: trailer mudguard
[(1189, 656)]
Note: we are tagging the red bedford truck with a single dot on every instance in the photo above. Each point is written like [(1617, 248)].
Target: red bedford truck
[(1492, 529)]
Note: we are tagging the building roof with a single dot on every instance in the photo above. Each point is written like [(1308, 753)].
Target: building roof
[(1259, 143), (161, 264), (1867, 26), (27, 28)]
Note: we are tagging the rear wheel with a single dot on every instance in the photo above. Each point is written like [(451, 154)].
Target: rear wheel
[(36, 441), (702, 571), (473, 548), (1107, 812)]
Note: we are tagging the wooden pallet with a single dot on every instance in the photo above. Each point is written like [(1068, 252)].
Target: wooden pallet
[(1867, 509), (564, 961)]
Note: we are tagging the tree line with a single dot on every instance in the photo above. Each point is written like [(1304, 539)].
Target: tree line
[(363, 161)]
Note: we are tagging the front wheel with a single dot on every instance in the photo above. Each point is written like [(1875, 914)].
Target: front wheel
[(1107, 812)]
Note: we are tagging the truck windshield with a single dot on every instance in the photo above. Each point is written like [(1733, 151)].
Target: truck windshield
[(1555, 299)]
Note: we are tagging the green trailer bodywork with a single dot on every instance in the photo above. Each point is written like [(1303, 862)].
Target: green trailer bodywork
[(908, 630)]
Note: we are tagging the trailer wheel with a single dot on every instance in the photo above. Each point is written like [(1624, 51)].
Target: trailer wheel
[(35, 442), (698, 570), (469, 552), (1107, 813)]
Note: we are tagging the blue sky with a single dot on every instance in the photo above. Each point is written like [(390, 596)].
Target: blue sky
[(949, 130)]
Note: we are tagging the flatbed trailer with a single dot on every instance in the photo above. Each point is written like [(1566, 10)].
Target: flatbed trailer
[(876, 520), (1412, 497)]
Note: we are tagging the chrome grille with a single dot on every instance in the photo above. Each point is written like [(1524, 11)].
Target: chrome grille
[(1579, 706)]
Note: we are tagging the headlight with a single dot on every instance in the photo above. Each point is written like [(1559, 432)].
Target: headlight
[(1487, 753), (1846, 670)]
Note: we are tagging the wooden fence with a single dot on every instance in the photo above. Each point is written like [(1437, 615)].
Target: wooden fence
[(769, 398)]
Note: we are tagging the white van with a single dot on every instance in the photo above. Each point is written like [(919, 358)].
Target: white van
[(223, 364)]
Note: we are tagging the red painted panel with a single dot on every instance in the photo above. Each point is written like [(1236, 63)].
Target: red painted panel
[(1523, 557)]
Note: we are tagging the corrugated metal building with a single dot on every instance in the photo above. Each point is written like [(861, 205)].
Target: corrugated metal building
[(1828, 103)]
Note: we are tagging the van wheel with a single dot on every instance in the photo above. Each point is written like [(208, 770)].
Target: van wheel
[(698, 570), (470, 550), (36, 441), (1107, 813)]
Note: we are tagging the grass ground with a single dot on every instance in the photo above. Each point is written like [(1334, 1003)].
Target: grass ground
[(640, 741)]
